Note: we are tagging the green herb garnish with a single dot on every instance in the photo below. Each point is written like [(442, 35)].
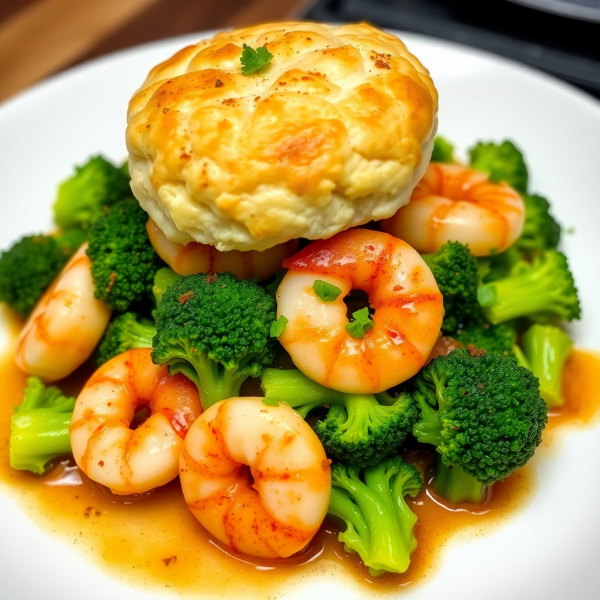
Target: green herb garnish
[(326, 291), (361, 324), (278, 326), (254, 60)]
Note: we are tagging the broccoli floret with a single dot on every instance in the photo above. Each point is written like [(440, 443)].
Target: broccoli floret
[(215, 329), (496, 339), (502, 162), (484, 415), (125, 332), (379, 523), (83, 197), (541, 290), (123, 260), (540, 230), (28, 269), (456, 272), (443, 150), (40, 427), (545, 350), (358, 429)]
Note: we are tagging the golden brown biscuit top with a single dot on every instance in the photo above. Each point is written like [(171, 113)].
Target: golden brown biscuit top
[(340, 111)]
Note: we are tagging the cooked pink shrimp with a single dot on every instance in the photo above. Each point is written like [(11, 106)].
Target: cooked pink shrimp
[(256, 477), (107, 449), (455, 203), (201, 258), (402, 290), (65, 326)]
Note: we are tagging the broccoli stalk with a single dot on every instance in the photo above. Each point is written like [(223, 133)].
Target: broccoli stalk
[(457, 274), (502, 162), (123, 260), (162, 280), (456, 486), (546, 348), (483, 413), (215, 329), (358, 429), (379, 523), (124, 333), (541, 290), (40, 427), (83, 197)]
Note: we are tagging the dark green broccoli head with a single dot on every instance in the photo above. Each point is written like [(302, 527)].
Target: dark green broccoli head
[(484, 413), (83, 197), (502, 162), (28, 269), (540, 230), (215, 329), (358, 429), (456, 272), (542, 290), (443, 150), (125, 332), (496, 339), (123, 260), (379, 523), (363, 432)]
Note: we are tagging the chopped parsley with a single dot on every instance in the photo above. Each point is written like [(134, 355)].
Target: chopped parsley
[(361, 323), (278, 326), (326, 291), (254, 60)]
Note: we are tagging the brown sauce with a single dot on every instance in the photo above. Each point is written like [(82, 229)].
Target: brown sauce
[(153, 540)]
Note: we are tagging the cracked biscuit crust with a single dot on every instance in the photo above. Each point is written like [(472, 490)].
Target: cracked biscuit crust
[(334, 132)]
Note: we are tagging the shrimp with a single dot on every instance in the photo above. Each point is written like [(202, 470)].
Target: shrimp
[(256, 477), (454, 203), (196, 258), (402, 290), (66, 324), (107, 449)]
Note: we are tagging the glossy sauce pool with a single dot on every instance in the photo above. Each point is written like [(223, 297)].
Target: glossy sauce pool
[(154, 541)]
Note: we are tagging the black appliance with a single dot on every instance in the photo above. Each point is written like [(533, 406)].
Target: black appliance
[(561, 37)]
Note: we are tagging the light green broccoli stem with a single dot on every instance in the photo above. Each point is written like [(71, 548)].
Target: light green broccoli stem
[(539, 291), (297, 390), (40, 427), (456, 486), (162, 280), (428, 429), (380, 543), (546, 348)]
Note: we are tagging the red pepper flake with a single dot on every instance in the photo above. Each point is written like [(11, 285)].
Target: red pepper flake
[(211, 278), (397, 288), (185, 297), (219, 83), (169, 560), (111, 283), (474, 351), (100, 463)]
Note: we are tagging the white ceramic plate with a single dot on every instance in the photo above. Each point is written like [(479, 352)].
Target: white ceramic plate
[(549, 550)]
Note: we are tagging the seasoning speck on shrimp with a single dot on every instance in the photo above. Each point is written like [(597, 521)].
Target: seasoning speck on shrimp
[(256, 476), (106, 449), (193, 258), (453, 203), (65, 326), (405, 325)]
